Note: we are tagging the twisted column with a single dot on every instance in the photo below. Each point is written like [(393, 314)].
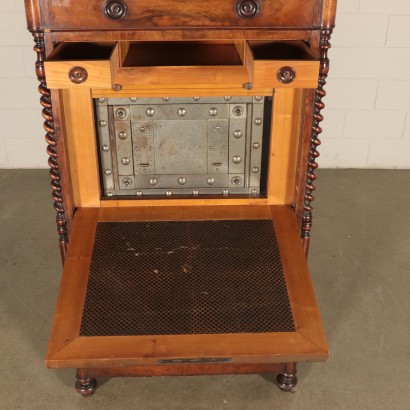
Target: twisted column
[(45, 101), (314, 139)]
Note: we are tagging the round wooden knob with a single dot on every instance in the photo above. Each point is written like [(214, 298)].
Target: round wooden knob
[(78, 75), (247, 9), (115, 9), (286, 75)]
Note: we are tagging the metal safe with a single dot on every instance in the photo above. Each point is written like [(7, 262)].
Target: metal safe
[(183, 146)]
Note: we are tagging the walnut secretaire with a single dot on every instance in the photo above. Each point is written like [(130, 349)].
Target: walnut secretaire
[(183, 139)]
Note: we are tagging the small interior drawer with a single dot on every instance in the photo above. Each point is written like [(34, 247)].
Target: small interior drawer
[(276, 64), (89, 65), (182, 65)]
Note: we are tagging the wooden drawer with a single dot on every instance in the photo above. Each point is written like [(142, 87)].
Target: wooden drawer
[(182, 65), (159, 14), (281, 64), (199, 64), (76, 65)]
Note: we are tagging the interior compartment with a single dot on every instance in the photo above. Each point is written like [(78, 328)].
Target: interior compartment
[(82, 51), (280, 50), (181, 53)]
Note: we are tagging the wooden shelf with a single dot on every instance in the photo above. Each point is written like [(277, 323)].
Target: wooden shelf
[(70, 347)]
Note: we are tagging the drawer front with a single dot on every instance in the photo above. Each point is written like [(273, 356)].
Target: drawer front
[(76, 74), (136, 14), (284, 74)]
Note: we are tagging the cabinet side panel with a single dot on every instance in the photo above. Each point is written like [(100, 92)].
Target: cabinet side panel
[(80, 132), (286, 123)]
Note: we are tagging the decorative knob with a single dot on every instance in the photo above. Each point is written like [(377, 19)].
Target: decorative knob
[(116, 9), (247, 9), (78, 75), (286, 75)]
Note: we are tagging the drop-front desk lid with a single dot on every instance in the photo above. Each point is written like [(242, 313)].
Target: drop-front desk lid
[(162, 285)]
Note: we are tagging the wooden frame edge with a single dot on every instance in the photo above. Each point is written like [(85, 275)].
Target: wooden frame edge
[(68, 349), (307, 318)]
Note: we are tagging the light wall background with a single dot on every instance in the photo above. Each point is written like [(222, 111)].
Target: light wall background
[(367, 118)]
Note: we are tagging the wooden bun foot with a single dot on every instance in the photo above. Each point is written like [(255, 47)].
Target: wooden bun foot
[(286, 381), (84, 385)]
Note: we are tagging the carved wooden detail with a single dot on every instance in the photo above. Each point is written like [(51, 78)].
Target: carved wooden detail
[(314, 139), (50, 138)]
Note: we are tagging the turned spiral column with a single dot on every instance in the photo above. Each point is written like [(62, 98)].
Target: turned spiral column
[(314, 139), (50, 138)]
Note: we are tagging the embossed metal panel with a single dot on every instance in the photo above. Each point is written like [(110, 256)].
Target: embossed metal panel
[(182, 146)]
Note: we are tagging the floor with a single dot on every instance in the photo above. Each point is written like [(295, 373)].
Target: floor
[(360, 262)]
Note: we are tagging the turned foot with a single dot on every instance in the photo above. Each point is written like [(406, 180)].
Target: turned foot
[(85, 385), (286, 381)]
